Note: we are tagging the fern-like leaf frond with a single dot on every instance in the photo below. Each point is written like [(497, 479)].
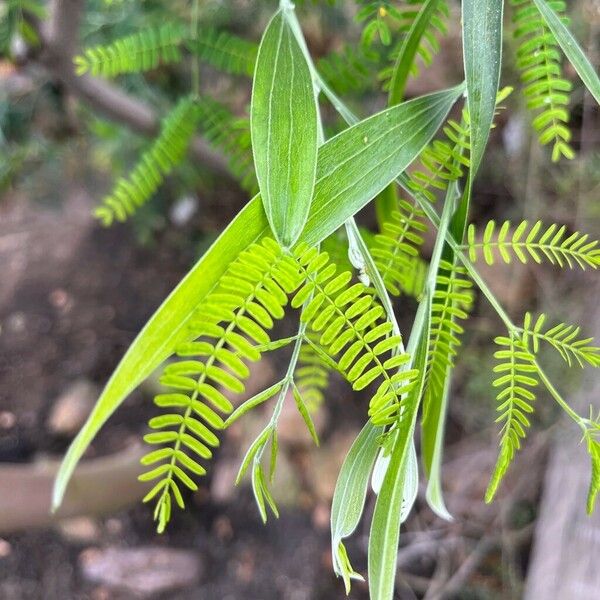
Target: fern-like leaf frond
[(396, 249), (348, 70), (167, 151), (312, 373), (536, 242), (452, 301), (517, 375), (135, 53), (231, 323), (230, 134), (379, 19), (225, 51), (416, 277), (354, 330), (429, 44), (444, 160), (546, 90), (563, 338)]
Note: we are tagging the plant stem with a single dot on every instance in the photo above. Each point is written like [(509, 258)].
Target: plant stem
[(289, 375), (287, 381), (430, 212), (375, 276)]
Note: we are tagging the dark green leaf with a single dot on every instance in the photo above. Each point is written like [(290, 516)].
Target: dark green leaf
[(284, 125), (482, 52)]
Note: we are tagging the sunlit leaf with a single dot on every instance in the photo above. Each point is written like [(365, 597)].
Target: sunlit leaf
[(353, 167)]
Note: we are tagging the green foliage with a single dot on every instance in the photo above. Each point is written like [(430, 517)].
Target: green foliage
[(230, 134), (423, 28), (396, 250), (452, 301), (253, 402), (385, 526), (517, 374), (593, 447), (142, 51), (166, 152), (381, 19), (349, 498), (365, 171), (220, 318), (378, 18), (536, 242), (436, 27), (352, 68), (348, 70), (230, 329), (13, 23), (353, 330), (570, 47), (563, 338), (284, 126), (344, 568), (546, 90), (229, 325), (225, 51), (447, 159), (482, 22), (444, 160), (312, 373), (519, 371)]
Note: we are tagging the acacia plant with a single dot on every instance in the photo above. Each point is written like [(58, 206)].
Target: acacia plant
[(270, 262)]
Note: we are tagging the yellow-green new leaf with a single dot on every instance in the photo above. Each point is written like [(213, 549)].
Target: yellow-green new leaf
[(163, 332), (284, 126), (594, 451), (353, 167)]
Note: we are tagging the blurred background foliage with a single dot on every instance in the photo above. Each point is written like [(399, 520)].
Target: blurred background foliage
[(52, 140), (42, 128)]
